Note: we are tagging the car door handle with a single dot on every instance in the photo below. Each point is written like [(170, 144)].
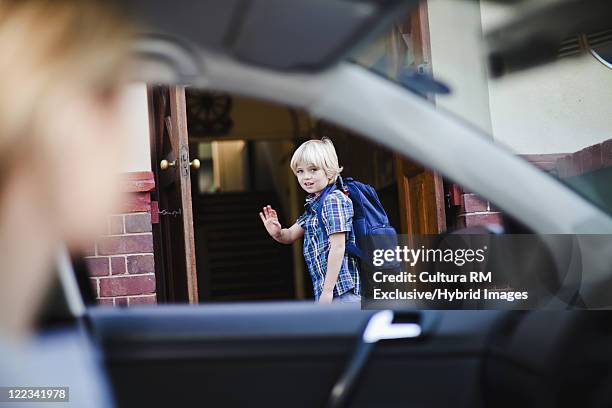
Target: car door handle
[(380, 326)]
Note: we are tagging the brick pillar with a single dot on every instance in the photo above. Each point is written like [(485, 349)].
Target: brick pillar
[(121, 267), (474, 211)]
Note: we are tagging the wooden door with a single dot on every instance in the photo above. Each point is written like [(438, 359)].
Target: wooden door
[(175, 252), (421, 199), (420, 190)]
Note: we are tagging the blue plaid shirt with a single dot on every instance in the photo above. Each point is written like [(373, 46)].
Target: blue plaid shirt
[(337, 217)]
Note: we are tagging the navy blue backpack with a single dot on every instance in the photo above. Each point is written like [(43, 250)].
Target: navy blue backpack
[(370, 222)]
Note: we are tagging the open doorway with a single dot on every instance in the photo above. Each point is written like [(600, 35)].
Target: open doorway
[(235, 258), (244, 147)]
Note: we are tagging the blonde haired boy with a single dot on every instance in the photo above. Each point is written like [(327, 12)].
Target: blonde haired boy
[(335, 275)]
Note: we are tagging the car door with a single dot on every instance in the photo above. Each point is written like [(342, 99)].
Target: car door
[(288, 354)]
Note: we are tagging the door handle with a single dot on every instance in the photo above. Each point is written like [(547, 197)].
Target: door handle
[(165, 164), (195, 164)]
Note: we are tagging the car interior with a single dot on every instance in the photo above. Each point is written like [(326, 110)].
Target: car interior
[(298, 353)]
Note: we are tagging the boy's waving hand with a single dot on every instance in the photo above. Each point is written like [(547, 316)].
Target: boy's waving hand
[(284, 236), (270, 221)]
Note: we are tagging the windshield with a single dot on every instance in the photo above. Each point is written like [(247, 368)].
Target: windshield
[(556, 117), (224, 183)]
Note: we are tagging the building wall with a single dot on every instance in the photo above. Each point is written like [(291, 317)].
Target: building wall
[(122, 269), (230, 165), (137, 149), (476, 211), (557, 108), (121, 263), (556, 116), (457, 60), (254, 119)]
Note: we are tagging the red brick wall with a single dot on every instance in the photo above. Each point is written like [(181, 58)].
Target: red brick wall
[(474, 211), (121, 265), (590, 158)]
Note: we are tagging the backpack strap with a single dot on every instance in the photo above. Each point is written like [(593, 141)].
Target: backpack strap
[(324, 195), (352, 249)]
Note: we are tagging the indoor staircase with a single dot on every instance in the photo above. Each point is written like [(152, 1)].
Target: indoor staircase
[(236, 258)]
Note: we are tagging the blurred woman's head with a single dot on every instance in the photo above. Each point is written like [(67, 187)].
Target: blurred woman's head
[(62, 71)]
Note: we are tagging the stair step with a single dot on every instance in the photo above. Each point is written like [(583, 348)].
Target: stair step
[(241, 263), (280, 295), (249, 283), (235, 235), (247, 245), (253, 217), (238, 288), (275, 272), (248, 220)]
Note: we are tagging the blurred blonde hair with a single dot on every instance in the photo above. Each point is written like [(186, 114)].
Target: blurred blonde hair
[(47, 45), (320, 153)]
